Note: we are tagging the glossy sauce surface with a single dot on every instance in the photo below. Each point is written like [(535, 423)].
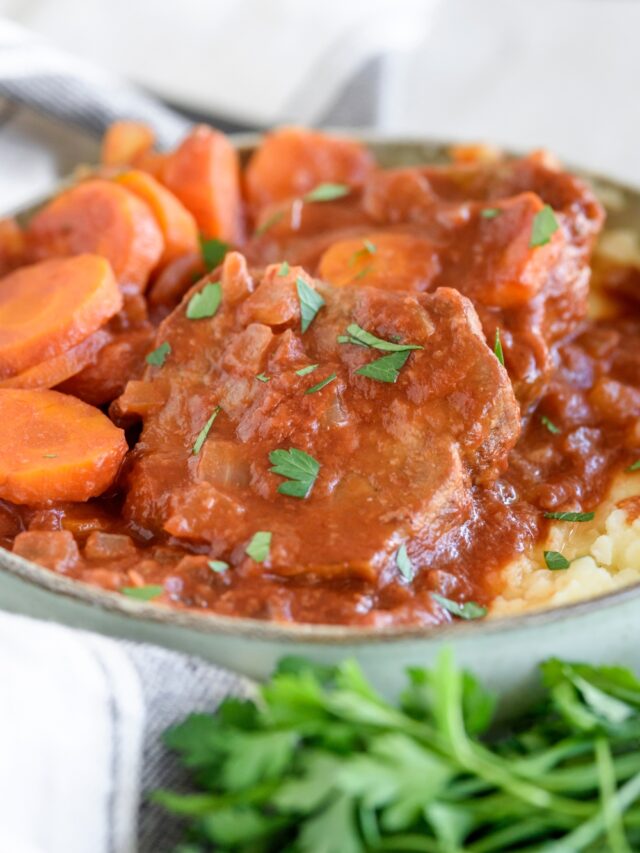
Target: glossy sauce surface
[(457, 460)]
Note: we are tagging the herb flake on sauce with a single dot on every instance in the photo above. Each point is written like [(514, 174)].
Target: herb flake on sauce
[(327, 192), (497, 348), (306, 370), (404, 563), (143, 593), (385, 369), (635, 466), (299, 468), (322, 384), (213, 252), (570, 516), (259, 546), (283, 270), (490, 212), (310, 303), (555, 561), (218, 566), (549, 424), (204, 432), (357, 335), (544, 227), (206, 302), (158, 357), (262, 377), (468, 610), (269, 223)]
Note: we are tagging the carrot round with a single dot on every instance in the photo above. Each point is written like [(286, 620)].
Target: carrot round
[(12, 245), (204, 173), (53, 371), (292, 161), (178, 226), (47, 308), (104, 218), (388, 260), (125, 142), (55, 448)]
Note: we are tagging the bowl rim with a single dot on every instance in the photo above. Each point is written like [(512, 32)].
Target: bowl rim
[(212, 623)]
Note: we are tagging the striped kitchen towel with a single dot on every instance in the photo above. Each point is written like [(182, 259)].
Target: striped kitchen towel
[(81, 718)]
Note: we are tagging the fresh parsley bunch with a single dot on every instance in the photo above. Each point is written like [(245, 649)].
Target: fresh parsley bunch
[(320, 763)]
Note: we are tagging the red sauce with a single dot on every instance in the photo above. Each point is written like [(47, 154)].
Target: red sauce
[(457, 460)]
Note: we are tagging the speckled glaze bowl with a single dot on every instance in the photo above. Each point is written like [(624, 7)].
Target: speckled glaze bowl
[(503, 652)]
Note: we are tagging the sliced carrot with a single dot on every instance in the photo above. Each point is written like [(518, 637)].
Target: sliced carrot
[(47, 308), (12, 245), (125, 142), (393, 261), (291, 161), (204, 173), (55, 448), (173, 281), (101, 217), (53, 371), (178, 226)]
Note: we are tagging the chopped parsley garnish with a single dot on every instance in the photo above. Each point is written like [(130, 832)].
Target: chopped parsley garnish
[(284, 269), (204, 432), (357, 335), (556, 561), (497, 348), (468, 610), (327, 192), (298, 467), (544, 227), (363, 272), (385, 369), (206, 302), (49, 455), (158, 357), (272, 220), (308, 369), (635, 466), (404, 563), (368, 248), (490, 212), (218, 566), (213, 252), (259, 547), (550, 425), (571, 516), (262, 377), (321, 385), (310, 303), (143, 593)]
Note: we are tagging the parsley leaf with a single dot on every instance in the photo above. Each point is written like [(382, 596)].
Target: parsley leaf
[(555, 430), (259, 546), (385, 369), (310, 303), (284, 269), (142, 593), (218, 566), (571, 516), (357, 335), (556, 561), (204, 432), (262, 377), (404, 563), (213, 252), (497, 348), (321, 384), (206, 302), (272, 220), (49, 455), (158, 357), (368, 248), (468, 610), (308, 369), (327, 192), (490, 212), (300, 469), (544, 227), (635, 466), (363, 273)]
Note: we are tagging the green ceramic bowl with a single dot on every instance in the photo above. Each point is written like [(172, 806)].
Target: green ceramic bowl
[(503, 652)]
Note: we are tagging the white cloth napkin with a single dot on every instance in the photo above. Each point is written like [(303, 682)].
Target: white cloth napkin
[(81, 718)]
